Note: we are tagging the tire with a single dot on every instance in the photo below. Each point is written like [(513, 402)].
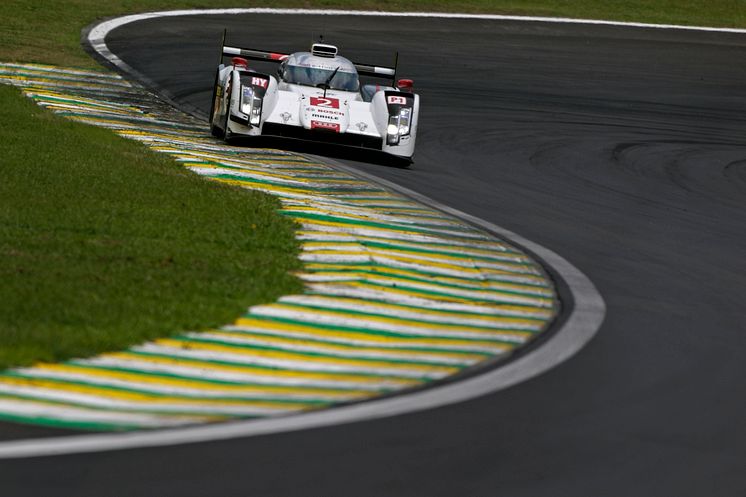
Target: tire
[(225, 134), (214, 130)]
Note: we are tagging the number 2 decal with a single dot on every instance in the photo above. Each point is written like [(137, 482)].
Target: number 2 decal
[(325, 102)]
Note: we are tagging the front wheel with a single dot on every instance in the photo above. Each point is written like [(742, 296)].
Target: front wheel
[(222, 131), (214, 130)]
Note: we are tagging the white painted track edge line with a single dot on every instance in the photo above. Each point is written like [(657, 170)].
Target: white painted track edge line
[(587, 315), (99, 31)]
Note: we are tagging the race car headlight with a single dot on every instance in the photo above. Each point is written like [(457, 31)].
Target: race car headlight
[(404, 118), (251, 105), (398, 126)]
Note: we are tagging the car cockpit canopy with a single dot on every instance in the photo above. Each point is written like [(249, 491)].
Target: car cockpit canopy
[(321, 67)]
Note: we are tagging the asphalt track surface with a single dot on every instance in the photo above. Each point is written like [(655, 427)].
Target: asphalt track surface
[(623, 150)]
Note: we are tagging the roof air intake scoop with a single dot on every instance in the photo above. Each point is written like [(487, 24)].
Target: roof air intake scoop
[(323, 50)]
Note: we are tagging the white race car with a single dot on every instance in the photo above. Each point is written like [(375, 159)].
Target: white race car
[(316, 96)]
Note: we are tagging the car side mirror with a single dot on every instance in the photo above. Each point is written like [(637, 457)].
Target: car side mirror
[(405, 84), (240, 62)]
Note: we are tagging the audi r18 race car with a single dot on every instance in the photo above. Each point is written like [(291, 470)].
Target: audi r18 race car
[(316, 96)]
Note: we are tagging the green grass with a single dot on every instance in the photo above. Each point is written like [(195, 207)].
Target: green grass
[(104, 243), (49, 31)]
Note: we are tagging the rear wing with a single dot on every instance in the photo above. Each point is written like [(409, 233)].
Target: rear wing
[(379, 71), (251, 54), (382, 72)]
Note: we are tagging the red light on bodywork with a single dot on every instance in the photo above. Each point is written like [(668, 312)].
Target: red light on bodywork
[(240, 62), (405, 83), (325, 126)]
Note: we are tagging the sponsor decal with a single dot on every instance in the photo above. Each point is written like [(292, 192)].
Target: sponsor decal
[(325, 125), (325, 102), (323, 116), (326, 112), (261, 82), (393, 99)]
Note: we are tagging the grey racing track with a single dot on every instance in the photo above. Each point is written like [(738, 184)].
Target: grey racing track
[(623, 150)]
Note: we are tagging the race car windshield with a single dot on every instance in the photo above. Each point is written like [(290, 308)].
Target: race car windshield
[(310, 76)]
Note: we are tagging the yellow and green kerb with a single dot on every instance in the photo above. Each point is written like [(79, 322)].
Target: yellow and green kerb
[(397, 295)]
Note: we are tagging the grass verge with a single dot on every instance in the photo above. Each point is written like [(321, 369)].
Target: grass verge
[(104, 243), (49, 31)]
